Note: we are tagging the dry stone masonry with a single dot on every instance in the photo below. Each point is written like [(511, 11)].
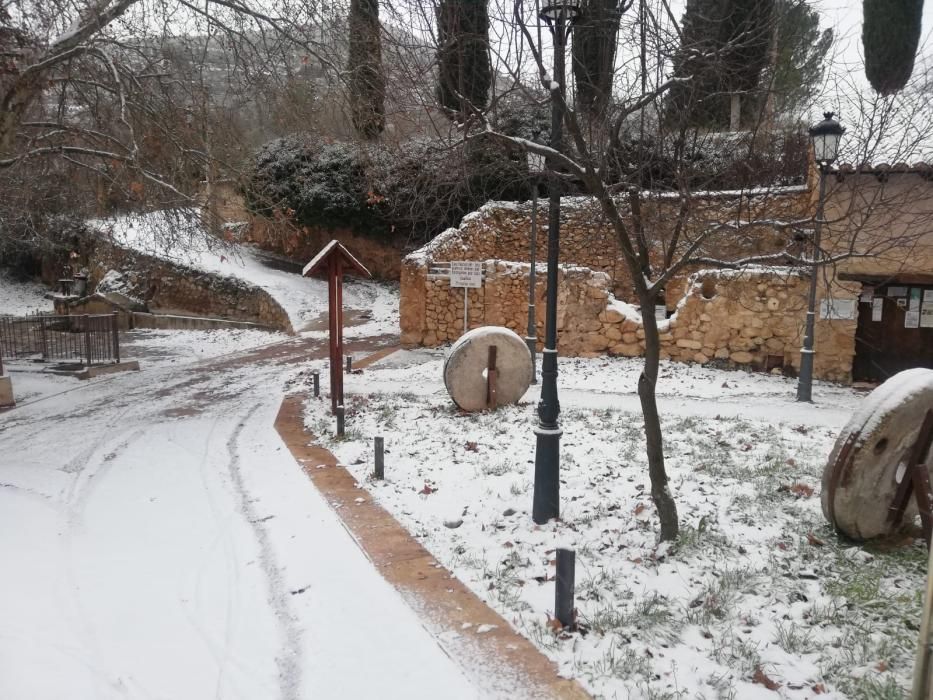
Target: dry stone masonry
[(752, 317)]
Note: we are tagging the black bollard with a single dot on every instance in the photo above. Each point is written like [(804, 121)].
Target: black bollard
[(316, 376), (340, 421), (349, 364), (564, 594), (379, 444)]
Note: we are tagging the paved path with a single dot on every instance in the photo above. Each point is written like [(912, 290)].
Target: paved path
[(158, 541)]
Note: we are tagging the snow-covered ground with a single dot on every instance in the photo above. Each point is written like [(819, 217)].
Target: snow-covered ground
[(22, 298), (160, 541), (758, 598), (170, 236)]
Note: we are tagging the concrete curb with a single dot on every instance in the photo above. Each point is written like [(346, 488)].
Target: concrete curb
[(495, 657)]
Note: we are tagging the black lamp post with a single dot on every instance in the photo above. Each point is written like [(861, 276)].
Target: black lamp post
[(559, 17), (535, 168), (825, 138)]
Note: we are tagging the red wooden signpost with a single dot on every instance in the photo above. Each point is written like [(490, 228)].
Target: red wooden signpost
[(336, 260)]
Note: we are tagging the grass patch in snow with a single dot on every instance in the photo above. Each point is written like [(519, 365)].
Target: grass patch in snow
[(756, 582)]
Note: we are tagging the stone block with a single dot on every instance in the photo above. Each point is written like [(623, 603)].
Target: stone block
[(691, 344), (611, 316), (742, 358), (6, 392), (700, 358), (628, 349), (596, 341), (612, 332), (721, 354)]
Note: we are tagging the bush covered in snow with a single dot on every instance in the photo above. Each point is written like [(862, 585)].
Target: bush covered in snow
[(418, 188)]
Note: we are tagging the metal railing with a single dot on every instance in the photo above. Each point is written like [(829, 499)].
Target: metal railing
[(92, 340)]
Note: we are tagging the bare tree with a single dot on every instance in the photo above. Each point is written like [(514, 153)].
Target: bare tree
[(651, 171), (139, 102)]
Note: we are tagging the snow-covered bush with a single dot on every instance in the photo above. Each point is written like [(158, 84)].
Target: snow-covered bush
[(417, 189)]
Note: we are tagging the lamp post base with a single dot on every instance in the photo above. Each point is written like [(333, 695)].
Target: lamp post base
[(805, 380), (546, 504), (532, 344)]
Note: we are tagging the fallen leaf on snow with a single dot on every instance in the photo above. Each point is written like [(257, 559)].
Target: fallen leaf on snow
[(428, 489), (881, 666), (814, 540), (762, 679), (472, 446)]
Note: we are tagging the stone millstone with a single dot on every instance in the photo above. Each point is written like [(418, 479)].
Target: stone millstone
[(859, 484), (465, 367)]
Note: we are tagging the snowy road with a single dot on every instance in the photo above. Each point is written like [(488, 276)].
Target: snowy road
[(159, 541)]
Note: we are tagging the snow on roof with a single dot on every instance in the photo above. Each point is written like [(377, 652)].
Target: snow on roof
[(334, 247)]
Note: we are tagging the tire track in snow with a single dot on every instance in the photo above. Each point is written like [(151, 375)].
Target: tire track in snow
[(289, 659)]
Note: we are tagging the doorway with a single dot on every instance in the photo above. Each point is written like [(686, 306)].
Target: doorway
[(895, 330)]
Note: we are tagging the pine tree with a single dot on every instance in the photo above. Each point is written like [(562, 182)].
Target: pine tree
[(367, 83), (594, 52), (799, 52), (724, 49), (463, 56), (890, 36)]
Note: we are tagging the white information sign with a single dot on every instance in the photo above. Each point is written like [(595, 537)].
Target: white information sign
[(838, 309), (926, 315), (912, 319), (927, 295), (468, 273), (877, 308)]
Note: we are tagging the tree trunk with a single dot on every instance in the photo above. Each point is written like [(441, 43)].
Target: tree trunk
[(12, 108), (735, 112), (647, 385)]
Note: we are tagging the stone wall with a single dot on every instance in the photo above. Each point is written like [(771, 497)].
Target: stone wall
[(753, 318), (170, 288), (382, 258), (749, 318), (502, 231)]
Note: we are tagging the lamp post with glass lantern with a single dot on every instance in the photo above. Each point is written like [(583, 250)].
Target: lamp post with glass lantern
[(535, 168), (824, 138), (559, 17)]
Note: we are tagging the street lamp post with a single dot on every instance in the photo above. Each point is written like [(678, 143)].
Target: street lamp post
[(535, 167), (825, 138), (559, 17)]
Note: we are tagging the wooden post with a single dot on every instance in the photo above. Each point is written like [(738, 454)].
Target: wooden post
[(379, 445), (336, 260), (87, 338), (564, 588), (115, 327), (921, 477), (916, 481), (316, 376), (45, 339), (491, 377)]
